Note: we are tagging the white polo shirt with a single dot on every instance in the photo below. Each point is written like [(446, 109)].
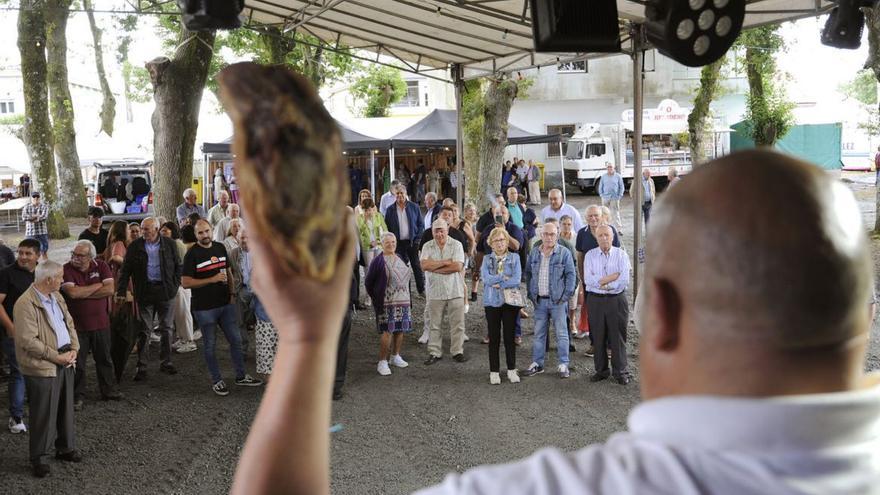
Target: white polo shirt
[(826, 444)]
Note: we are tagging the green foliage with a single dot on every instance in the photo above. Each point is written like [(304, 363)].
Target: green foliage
[(17, 119), (768, 110), (140, 87), (862, 88), (378, 89)]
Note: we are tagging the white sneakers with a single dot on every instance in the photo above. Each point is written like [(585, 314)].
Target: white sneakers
[(383, 368), (398, 361), (494, 378), (424, 338), (513, 376), (16, 426), (182, 347)]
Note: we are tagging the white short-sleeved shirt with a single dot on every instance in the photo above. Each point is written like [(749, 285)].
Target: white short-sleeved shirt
[(442, 287)]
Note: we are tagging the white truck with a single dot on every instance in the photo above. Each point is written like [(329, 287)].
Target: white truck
[(594, 145)]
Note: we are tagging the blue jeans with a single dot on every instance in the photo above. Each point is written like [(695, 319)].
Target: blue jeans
[(16, 381), (227, 317), (545, 311), (44, 242)]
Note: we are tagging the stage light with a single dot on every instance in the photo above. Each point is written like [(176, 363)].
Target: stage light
[(694, 32), (575, 26), (207, 15), (844, 26)]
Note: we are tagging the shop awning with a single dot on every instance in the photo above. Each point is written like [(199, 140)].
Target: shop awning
[(351, 141), (438, 128)]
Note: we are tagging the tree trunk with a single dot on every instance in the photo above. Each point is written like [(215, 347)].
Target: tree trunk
[(276, 44), (73, 197), (178, 84), (37, 129), (700, 118), (872, 19), (472, 108), (108, 106), (498, 100)]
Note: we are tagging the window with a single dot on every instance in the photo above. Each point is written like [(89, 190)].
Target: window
[(412, 95), (596, 149), (7, 107), (573, 67), (564, 129)]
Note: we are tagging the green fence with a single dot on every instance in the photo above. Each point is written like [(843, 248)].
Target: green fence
[(816, 143)]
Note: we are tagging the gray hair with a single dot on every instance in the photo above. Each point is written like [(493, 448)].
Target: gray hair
[(187, 192), (431, 194), (85, 242), (240, 223), (387, 235), (47, 270)]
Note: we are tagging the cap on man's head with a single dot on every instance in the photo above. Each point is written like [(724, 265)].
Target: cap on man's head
[(440, 224), (96, 212), (35, 194)]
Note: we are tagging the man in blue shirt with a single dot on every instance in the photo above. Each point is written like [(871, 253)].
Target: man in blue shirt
[(404, 220), (606, 277), (610, 189)]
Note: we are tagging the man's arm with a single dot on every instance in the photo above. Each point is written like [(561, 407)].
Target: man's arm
[(106, 289), (195, 283), (295, 409), (125, 273), (449, 267), (5, 320), (621, 278), (80, 292), (580, 266), (591, 279)]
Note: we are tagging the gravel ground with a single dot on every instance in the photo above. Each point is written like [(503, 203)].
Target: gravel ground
[(400, 433)]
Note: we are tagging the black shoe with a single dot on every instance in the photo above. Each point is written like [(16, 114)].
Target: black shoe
[(473, 297), (114, 396), (533, 370), (72, 456), (141, 375), (622, 380), (459, 358), (78, 405), (168, 368), (432, 359), (598, 378), (40, 470), (337, 394), (571, 348)]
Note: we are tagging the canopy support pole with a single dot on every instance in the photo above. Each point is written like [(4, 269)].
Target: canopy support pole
[(562, 170), (205, 165), (373, 173), (393, 170), (638, 106), (459, 152)]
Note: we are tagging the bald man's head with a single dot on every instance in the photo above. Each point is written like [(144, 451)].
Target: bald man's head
[(762, 249)]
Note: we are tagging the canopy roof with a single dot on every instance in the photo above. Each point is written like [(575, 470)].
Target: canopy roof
[(351, 140), (485, 36), (438, 128)]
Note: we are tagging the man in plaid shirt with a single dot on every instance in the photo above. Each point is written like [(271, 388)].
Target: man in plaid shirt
[(34, 215)]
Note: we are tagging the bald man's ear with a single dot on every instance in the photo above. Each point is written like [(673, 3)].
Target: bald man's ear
[(664, 308)]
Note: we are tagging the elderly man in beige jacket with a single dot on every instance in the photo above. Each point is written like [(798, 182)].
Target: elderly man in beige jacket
[(46, 347)]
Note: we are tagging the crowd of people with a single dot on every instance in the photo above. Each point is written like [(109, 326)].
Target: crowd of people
[(123, 288)]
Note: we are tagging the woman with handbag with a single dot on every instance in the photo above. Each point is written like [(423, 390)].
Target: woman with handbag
[(501, 273), (387, 283)]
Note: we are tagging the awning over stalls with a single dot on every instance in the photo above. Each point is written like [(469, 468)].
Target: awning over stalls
[(438, 128), (351, 141)]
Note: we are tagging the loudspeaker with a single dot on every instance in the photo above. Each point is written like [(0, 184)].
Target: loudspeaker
[(207, 15), (575, 26)]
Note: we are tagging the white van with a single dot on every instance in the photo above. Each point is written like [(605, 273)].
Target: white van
[(123, 188)]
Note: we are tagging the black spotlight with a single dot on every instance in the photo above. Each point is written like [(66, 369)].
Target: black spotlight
[(845, 24), (207, 15), (575, 26), (694, 32)]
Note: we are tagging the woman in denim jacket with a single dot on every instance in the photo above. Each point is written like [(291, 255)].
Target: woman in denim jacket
[(501, 270)]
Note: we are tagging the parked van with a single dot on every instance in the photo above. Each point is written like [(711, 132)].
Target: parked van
[(123, 188)]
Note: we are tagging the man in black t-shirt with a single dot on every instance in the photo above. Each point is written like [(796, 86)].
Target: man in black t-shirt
[(15, 279), (207, 272), (95, 233)]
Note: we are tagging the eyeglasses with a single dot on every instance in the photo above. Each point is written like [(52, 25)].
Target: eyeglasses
[(74, 254)]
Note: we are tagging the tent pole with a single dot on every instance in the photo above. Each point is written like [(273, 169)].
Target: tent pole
[(562, 171), (393, 170), (638, 105), (204, 181), (459, 191), (373, 173)]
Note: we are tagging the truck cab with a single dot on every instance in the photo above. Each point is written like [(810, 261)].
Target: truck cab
[(123, 188), (587, 154)]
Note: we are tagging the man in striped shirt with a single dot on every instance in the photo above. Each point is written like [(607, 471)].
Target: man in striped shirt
[(606, 277), (35, 215)]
